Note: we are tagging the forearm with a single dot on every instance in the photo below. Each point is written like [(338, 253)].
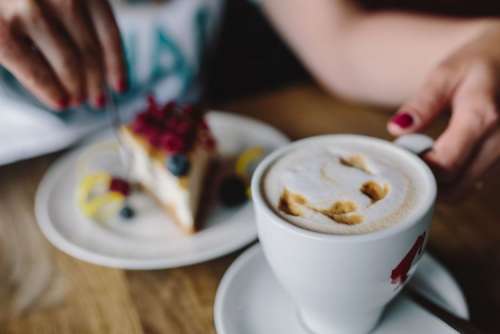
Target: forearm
[(375, 57)]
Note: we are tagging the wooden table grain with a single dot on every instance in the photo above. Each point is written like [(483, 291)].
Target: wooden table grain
[(42, 290)]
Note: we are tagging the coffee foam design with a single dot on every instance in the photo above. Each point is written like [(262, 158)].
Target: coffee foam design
[(340, 191)]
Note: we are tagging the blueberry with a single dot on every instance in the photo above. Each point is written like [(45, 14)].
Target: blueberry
[(178, 164), (127, 212), (233, 191)]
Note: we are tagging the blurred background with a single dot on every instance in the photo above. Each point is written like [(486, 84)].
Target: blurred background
[(248, 59)]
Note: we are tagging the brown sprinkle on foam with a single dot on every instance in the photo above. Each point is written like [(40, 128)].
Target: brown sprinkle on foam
[(290, 203), (340, 207), (375, 191), (348, 219), (341, 211), (355, 161)]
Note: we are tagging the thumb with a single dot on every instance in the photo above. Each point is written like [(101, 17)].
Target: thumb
[(432, 98)]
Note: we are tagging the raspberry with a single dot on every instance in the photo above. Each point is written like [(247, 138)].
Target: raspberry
[(120, 186), (158, 115), (154, 109), (140, 123), (170, 106), (172, 143), (156, 141), (188, 110), (152, 135), (152, 103), (183, 126), (151, 131), (142, 116), (171, 124)]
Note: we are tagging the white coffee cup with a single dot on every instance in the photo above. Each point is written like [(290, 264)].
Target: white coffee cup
[(341, 283)]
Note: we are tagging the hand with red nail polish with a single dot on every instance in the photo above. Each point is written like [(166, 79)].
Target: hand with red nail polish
[(467, 84), (388, 56), (78, 49), (402, 121)]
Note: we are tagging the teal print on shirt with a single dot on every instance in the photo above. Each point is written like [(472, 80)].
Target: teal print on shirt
[(167, 57), (165, 48), (135, 87), (130, 45)]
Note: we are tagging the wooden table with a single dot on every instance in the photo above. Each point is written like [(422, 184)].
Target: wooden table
[(60, 294)]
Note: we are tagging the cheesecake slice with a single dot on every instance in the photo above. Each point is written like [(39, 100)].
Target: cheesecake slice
[(171, 149)]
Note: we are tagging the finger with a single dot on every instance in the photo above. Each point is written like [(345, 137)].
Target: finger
[(474, 117), (109, 37), (57, 50), (433, 97), (30, 68), (485, 161), (74, 17)]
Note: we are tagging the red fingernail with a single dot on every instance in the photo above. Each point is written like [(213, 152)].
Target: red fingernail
[(121, 86), (78, 101), (63, 103), (100, 101), (403, 120)]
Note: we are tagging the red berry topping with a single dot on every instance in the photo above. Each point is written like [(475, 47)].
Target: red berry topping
[(120, 186), (140, 123), (172, 143), (188, 109), (171, 127), (143, 117), (170, 106), (151, 131), (156, 141), (138, 127), (154, 110), (171, 124), (183, 126), (152, 102)]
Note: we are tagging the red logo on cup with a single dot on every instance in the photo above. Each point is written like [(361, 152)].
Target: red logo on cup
[(399, 274)]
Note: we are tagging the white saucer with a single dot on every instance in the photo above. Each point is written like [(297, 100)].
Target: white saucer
[(150, 241), (250, 301)]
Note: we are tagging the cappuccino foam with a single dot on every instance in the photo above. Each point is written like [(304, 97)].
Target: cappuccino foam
[(345, 187)]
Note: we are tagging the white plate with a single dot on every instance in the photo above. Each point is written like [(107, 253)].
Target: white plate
[(150, 241), (250, 301)]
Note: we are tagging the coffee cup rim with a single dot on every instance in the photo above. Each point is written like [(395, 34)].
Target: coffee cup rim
[(261, 203)]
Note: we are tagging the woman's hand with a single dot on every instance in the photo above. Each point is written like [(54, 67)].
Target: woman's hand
[(467, 83), (64, 51)]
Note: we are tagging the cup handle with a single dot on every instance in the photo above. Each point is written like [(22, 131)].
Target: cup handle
[(415, 142)]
